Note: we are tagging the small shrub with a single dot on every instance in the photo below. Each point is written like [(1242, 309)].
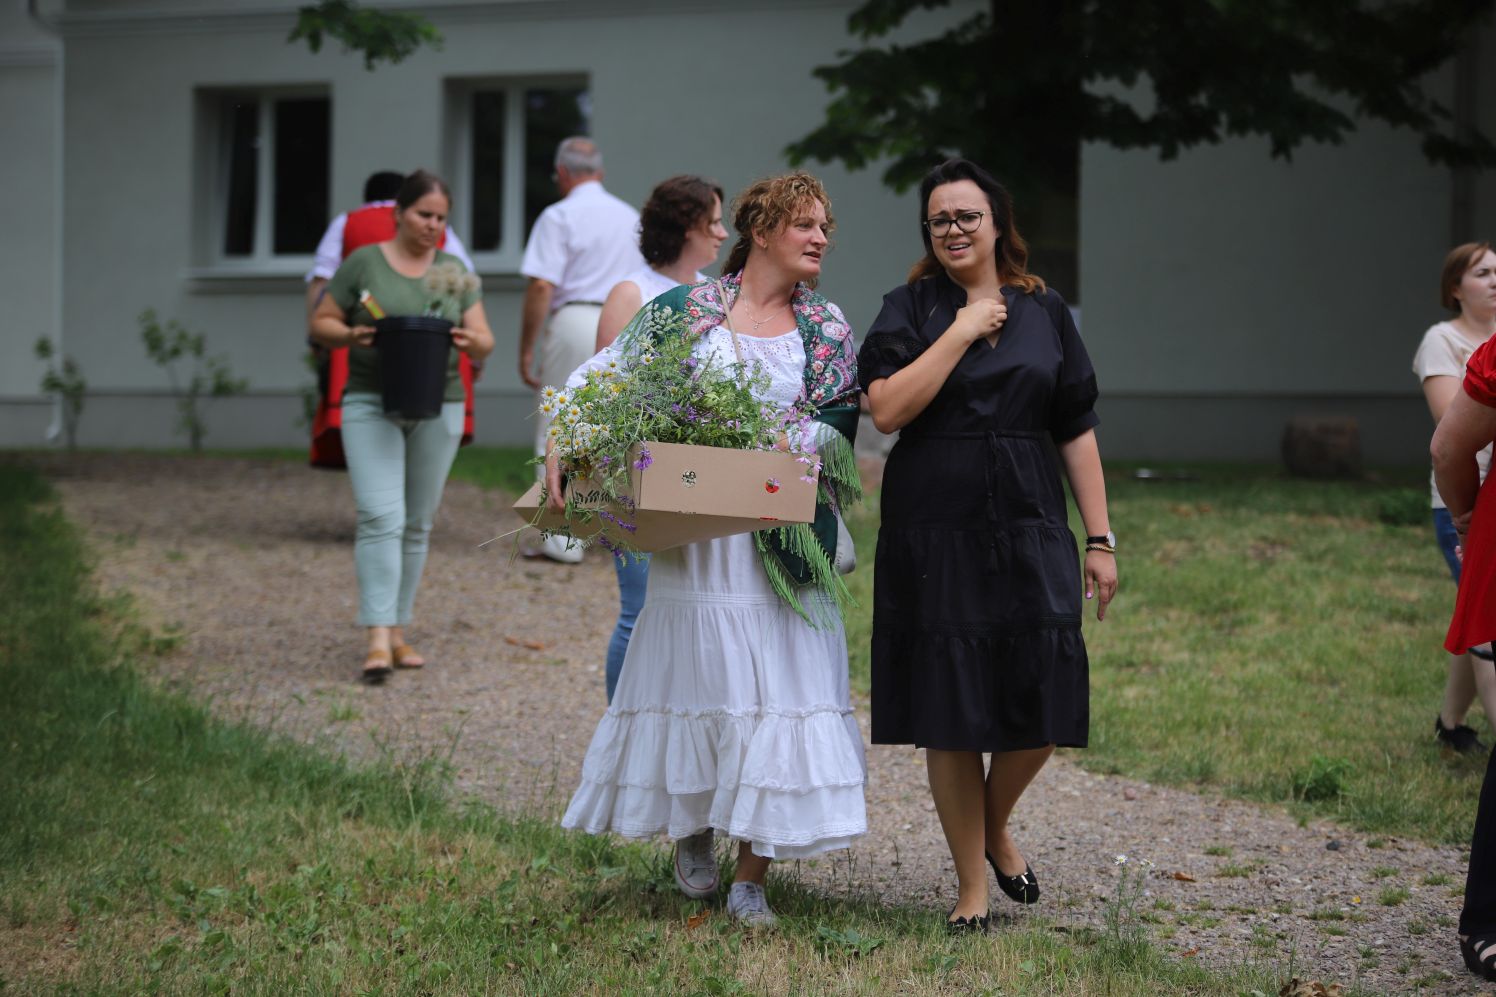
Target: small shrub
[(169, 343), (65, 382)]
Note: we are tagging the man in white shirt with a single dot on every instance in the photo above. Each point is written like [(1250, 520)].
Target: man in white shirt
[(579, 248)]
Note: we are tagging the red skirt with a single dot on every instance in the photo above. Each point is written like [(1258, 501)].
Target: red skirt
[(1475, 607), (327, 420)]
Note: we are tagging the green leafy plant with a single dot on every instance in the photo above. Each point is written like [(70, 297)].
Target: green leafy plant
[(169, 344), (64, 381), (1403, 507), (1322, 779), (1124, 926), (377, 35)]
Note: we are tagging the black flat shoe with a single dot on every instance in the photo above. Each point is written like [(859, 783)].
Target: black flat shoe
[(1480, 955), (1459, 738), (1023, 888), (976, 924)]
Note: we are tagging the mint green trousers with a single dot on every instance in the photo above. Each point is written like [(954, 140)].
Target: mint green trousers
[(398, 468)]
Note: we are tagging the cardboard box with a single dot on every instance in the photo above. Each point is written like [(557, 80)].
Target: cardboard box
[(688, 494)]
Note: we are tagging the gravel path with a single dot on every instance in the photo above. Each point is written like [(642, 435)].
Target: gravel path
[(252, 561)]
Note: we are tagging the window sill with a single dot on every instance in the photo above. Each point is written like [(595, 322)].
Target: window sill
[(282, 279), (264, 278)]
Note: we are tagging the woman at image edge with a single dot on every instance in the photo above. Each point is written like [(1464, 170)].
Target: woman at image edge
[(1467, 287), (1468, 426), (976, 608)]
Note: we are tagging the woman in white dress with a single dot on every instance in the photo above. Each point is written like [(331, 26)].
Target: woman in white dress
[(732, 714), (680, 231)]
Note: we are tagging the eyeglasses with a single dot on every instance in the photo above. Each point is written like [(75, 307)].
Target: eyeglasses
[(967, 221)]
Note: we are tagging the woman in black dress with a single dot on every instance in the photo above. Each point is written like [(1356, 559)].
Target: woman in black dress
[(976, 611)]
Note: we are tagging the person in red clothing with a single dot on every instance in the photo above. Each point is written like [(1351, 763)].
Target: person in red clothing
[(371, 222), (1468, 425)]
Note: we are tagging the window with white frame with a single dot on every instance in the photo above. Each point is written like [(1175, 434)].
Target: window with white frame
[(266, 166), (502, 137)]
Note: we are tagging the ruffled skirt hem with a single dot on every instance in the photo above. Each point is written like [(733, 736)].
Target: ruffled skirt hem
[(791, 785)]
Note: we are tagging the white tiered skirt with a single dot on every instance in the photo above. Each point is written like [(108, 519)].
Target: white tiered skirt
[(732, 713)]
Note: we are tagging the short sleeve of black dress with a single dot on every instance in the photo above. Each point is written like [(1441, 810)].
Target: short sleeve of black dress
[(891, 342), (977, 591)]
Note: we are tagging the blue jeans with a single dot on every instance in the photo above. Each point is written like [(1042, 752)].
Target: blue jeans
[(633, 580), (1448, 539), (398, 468)]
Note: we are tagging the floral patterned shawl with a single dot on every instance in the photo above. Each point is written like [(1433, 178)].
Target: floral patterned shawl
[(803, 553), (830, 375)]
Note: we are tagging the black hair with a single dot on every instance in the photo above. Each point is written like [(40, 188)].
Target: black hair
[(382, 186), (1011, 256)]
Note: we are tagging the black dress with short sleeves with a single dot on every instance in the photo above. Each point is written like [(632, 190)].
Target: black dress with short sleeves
[(977, 595)]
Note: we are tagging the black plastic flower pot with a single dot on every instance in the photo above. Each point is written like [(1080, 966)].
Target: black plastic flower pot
[(413, 355)]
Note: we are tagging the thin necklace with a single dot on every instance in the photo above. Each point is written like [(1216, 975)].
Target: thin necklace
[(759, 323)]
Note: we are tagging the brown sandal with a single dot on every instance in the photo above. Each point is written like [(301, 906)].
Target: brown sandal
[(376, 667), (403, 653)]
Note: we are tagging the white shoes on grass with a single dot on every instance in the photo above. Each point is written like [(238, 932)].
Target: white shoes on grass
[(697, 877), (747, 905), (696, 866)]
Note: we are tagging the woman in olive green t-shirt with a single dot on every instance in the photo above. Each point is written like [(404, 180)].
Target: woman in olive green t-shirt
[(397, 466)]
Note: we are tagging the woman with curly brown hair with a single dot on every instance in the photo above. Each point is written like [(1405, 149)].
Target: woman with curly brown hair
[(680, 231), (733, 712)]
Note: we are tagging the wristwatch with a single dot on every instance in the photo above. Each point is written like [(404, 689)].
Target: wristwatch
[(1109, 540)]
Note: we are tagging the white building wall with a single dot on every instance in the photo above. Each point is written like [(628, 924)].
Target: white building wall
[(1226, 292), (1222, 293), (677, 87), (29, 108)]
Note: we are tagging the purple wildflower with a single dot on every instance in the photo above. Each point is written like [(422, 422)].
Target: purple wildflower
[(645, 458)]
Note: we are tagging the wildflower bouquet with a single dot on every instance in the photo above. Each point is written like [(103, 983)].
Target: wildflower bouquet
[(659, 391)]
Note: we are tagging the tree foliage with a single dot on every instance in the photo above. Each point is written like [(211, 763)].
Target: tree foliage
[(379, 36), (1018, 86)]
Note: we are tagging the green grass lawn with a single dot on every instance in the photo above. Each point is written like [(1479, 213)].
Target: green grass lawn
[(146, 847), (1273, 639)]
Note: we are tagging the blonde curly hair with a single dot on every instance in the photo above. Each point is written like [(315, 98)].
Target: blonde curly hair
[(766, 206)]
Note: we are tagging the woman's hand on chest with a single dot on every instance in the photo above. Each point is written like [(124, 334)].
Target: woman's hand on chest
[(980, 319)]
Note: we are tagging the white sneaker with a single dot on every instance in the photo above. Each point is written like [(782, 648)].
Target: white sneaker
[(563, 549), (747, 905), (696, 866)]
